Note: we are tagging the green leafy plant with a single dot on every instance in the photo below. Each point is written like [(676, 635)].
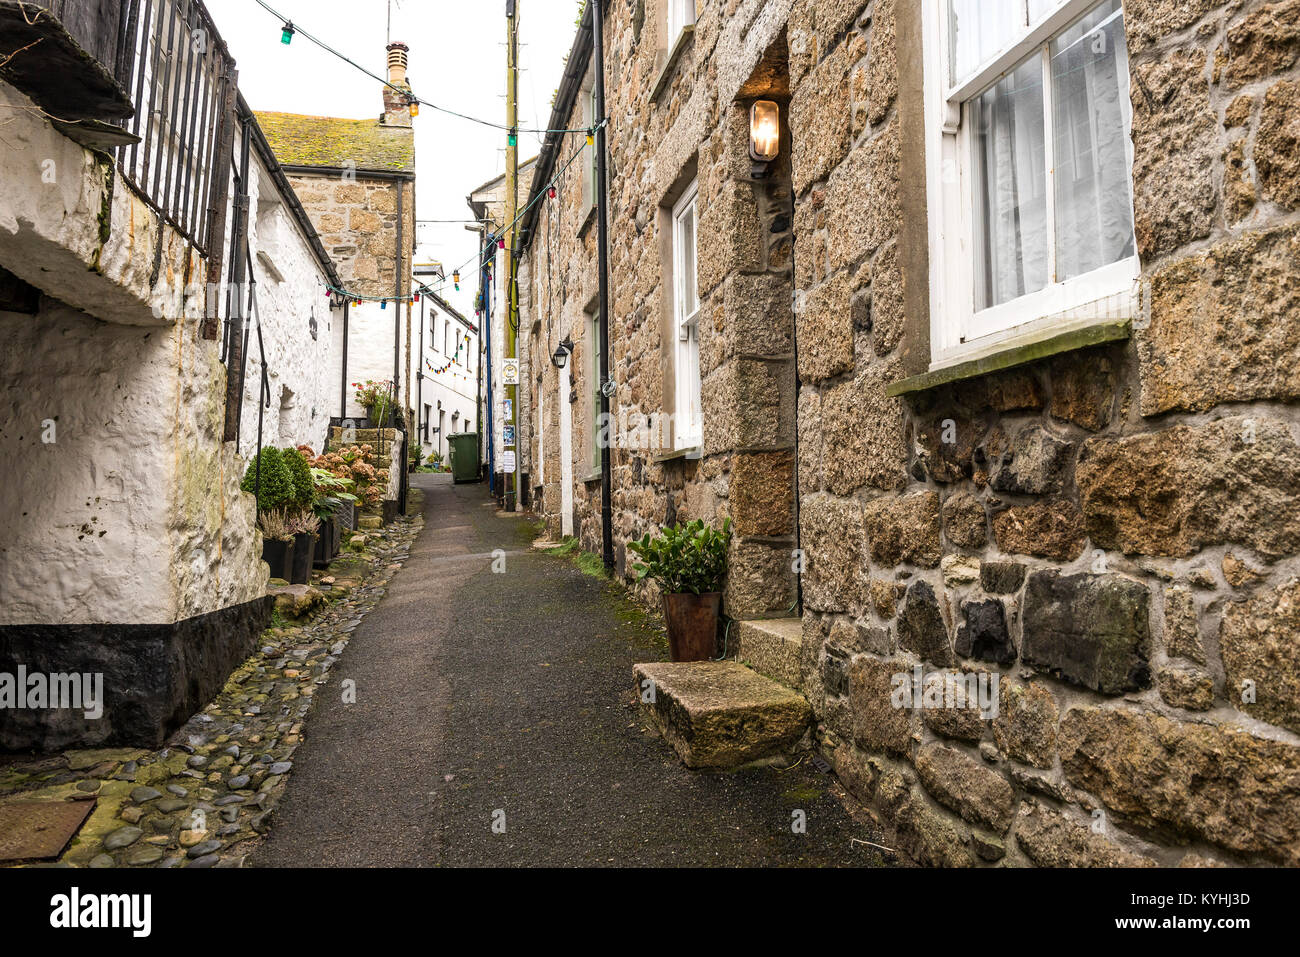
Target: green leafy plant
[(330, 491), (276, 491), (300, 474), (684, 558), (376, 397)]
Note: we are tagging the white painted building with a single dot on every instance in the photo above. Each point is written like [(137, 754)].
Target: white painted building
[(447, 379), (296, 313), (127, 548)]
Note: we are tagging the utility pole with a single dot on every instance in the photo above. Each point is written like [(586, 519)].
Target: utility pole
[(511, 329), (602, 267)]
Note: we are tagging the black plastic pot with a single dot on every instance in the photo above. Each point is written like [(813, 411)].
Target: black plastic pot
[(325, 543), (279, 555), (304, 546)]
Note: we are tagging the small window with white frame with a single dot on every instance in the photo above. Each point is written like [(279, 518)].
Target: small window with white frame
[(1029, 185), (688, 417), (681, 14)]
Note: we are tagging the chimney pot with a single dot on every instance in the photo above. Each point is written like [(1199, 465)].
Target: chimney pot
[(397, 111), (397, 61)]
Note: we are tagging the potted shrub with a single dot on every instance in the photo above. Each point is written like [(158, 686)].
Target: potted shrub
[(375, 398), (277, 543), (269, 479), (689, 564), (330, 496), (302, 520), (304, 525)]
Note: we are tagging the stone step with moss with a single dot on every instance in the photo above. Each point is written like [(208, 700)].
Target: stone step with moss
[(720, 714), (771, 648)]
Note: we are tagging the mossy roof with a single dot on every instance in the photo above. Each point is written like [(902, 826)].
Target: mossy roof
[(331, 142)]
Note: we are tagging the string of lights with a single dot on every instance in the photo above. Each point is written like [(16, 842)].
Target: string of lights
[(290, 29)]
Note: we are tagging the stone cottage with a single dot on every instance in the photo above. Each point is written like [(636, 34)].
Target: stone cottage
[(356, 180), (130, 560), (980, 321)]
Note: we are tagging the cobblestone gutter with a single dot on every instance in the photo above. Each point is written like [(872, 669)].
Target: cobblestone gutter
[(205, 799)]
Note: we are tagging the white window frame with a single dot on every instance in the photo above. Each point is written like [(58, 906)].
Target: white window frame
[(957, 332), (589, 174), (688, 418), (681, 14)]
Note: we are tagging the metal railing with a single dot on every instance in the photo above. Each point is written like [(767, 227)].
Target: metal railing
[(181, 76)]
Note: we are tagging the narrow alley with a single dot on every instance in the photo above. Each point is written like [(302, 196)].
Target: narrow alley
[(478, 693)]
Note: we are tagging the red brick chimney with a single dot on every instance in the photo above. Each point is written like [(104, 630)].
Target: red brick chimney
[(397, 112)]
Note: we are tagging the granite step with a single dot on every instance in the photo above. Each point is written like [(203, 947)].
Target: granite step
[(720, 714), (772, 648)]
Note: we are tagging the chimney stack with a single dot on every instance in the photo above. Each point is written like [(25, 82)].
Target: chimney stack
[(397, 112)]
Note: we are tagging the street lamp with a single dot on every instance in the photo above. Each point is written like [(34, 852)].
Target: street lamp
[(562, 353)]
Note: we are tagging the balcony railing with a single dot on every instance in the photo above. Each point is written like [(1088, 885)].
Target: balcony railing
[(181, 77), (158, 91)]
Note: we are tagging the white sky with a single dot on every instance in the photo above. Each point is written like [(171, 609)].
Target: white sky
[(457, 60)]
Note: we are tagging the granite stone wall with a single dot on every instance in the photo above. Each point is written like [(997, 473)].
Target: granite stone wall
[(1109, 532)]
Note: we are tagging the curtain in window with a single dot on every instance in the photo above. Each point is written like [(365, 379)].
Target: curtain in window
[(981, 28), (1010, 185), (1094, 218)]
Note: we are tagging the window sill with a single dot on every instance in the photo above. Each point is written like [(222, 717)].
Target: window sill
[(675, 54), (586, 223), (1015, 352), (694, 452), (588, 479)]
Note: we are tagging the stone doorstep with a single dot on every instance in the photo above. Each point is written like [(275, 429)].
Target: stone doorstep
[(720, 714), (772, 648)]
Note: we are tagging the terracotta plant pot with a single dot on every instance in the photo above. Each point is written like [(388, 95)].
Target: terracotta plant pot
[(279, 555), (692, 625), (304, 547)]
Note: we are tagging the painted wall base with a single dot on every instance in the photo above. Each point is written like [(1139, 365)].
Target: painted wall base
[(155, 677)]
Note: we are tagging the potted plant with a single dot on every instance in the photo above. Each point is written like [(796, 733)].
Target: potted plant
[(331, 494), (689, 564), (304, 525), (300, 516), (375, 398), (277, 543), (268, 478)]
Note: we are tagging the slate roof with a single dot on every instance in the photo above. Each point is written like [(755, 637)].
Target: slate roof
[(331, 142)]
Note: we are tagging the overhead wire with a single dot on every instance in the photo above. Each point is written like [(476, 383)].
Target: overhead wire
[(396, 89)]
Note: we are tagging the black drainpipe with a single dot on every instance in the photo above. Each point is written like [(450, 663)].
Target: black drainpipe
[(343, 385), (235, 347)]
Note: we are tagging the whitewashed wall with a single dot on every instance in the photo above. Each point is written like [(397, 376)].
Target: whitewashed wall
[(291, 291), (456, 387), (370, 351), (133, 513)]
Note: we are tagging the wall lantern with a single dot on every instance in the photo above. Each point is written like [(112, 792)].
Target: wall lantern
[(562, 353), (312, 325), (764, 131)]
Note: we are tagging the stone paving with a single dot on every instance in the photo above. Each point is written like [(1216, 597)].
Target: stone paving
[(205, 798)]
